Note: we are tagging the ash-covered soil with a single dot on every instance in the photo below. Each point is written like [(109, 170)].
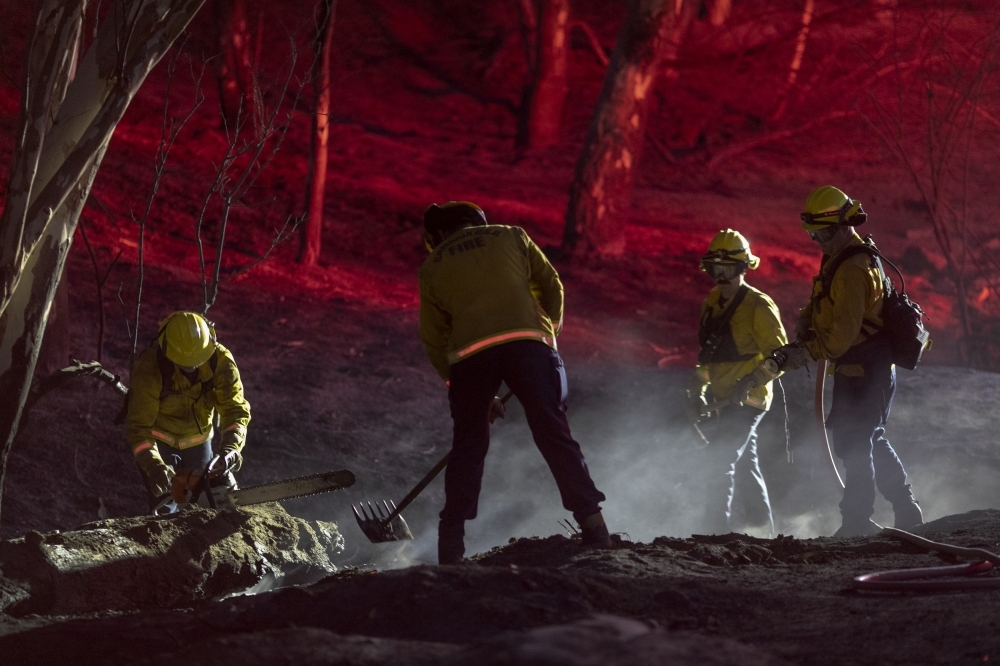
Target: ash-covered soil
[(705, 600)]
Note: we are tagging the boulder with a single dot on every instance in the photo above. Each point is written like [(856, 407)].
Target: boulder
[(175, 561)]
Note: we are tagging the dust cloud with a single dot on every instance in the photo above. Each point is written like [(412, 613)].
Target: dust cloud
[(642, 454)]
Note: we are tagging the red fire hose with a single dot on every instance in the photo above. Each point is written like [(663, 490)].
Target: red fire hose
[(905, 580)]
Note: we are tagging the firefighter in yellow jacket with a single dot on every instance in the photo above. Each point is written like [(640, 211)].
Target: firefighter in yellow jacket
[(843, 324), (491, 305), (740, 326), (182, 387)]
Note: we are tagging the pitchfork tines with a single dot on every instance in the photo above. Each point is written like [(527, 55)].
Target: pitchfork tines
[(381, 522)]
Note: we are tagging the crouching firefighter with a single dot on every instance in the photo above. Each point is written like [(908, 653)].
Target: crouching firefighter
[(843, 323), (740, 326), (490, 307), (182, 387)]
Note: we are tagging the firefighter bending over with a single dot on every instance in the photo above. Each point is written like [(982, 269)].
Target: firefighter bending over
[(491, 305), (182, 387), (740, 326)]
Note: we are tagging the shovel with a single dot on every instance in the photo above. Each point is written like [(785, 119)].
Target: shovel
[(383, 522)]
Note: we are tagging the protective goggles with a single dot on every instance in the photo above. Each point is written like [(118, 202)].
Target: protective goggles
[(823, 234), (723, 271), (856, 220)]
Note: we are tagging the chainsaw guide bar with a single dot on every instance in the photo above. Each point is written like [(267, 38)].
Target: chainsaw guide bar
[(302, 486)]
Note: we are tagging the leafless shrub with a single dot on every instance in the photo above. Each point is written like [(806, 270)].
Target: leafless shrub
[(935, 114)]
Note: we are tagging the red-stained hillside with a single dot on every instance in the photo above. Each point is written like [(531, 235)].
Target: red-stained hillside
[(425, 108)]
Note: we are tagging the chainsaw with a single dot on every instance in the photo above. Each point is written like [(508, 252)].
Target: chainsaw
[(301, 486)]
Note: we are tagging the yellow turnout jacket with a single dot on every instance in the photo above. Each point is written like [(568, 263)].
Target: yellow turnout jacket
[(177, 412), (850, 313), (757, 331), (484, 286)]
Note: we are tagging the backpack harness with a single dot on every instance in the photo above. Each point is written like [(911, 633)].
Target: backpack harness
[(902, 319), (716, 336)]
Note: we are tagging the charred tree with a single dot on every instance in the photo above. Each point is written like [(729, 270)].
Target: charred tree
[(64, 127), (605, 172), (54, 353), (528, 13), (312, 232), (550, 84), (234, 67)]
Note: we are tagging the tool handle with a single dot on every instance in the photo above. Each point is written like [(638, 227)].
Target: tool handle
[(417, 489), (431, 475)]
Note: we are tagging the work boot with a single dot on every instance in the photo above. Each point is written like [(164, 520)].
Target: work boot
[(855, 528), (594, 533), (451, 542), (908, 516)]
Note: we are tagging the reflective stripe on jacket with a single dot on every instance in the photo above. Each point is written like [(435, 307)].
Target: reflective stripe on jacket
[(181, 416), (851, 312), (484, 286), (756, 329)]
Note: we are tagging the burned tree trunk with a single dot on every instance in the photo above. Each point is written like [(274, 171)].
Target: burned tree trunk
[(548, 92), (54, 353), (234, 67), (605, 172), (63, 131), (312, 233)]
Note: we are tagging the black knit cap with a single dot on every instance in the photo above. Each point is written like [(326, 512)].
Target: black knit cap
[(451, 216)]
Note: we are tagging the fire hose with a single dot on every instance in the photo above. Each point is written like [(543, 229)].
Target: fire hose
[(824, 439), (905, 580)]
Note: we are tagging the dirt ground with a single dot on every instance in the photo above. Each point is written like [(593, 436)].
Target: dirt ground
[(706, 600), (337, 378)]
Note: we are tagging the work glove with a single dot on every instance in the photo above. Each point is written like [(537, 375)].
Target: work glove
[(159, 479), (794, 356), (803, 329), (157, 472), (741, 391), (498, 410), (765, 372), (230, 457)]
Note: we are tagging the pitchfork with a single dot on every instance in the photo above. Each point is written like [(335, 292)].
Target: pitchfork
[(383, 522)]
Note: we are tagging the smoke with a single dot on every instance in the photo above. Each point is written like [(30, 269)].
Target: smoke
[(642, 454)]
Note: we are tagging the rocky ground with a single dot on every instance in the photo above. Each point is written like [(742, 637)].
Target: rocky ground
[(703, 600)]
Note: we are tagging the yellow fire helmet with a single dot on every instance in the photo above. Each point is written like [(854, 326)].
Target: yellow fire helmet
[(827, 205), (730, 247), (450, 215), (186, 338)]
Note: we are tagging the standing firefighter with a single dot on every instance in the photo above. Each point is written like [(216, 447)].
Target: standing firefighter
[(179, 385), (843, 323), (740, 325), (490, 307)]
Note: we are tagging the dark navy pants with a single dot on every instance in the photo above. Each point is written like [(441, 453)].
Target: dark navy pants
[(856, 424), (736, 492), (535, 373)]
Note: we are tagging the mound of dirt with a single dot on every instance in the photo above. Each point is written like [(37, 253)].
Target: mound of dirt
[(175, 561), (703, 600)]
